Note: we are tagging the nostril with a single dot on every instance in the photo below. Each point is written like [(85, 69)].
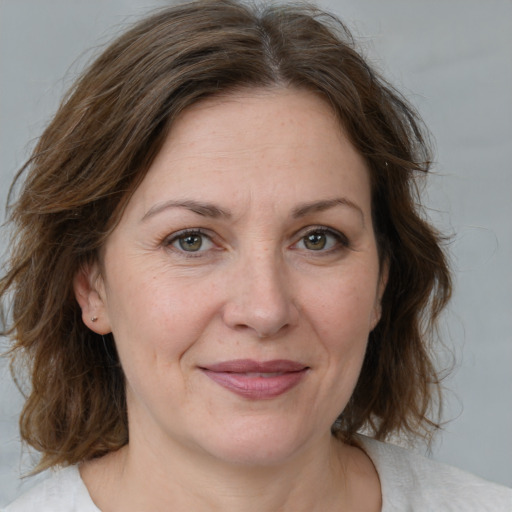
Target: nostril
[(263, 323), (269, 334)]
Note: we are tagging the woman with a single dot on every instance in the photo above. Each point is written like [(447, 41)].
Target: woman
[(219, 276)]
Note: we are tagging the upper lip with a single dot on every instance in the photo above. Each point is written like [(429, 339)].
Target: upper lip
[(251, 366)]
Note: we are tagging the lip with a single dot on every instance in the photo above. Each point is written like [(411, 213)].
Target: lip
[(254, 379)]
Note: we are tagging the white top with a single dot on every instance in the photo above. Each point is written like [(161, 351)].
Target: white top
[(409, 483), (412, 483)]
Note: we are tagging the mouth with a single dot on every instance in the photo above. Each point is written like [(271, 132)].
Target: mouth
[(257, 380)]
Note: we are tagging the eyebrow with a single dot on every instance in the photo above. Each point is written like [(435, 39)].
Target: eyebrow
[(211, 210), (320, 206), (203, 209)]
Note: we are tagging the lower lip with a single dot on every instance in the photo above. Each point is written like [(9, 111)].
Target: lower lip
[(256, 388)]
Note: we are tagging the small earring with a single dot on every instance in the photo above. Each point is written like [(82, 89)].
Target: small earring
[(94, 318)]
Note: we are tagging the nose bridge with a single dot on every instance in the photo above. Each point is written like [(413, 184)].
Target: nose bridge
[(261, 299)]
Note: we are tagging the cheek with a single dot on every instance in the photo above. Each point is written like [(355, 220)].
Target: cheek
[(340, 317), (345, 309), (155, 317)]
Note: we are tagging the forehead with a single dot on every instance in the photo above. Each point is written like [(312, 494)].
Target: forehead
[(253, 117), (259, 145)]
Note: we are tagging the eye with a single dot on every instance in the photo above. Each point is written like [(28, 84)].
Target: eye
[(315, 241), (321, 239), (191, 241)]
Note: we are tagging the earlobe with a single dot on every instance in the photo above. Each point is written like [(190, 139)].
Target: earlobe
[(89, 293), (376, 315), (377, 309)]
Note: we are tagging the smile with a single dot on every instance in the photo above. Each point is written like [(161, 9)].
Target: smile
[(256, 380)]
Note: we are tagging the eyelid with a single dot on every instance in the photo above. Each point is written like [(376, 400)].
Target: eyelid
[(187, 231), (173, 237), (342, 239)]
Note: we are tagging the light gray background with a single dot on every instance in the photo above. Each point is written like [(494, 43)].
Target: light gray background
[(453, 59)]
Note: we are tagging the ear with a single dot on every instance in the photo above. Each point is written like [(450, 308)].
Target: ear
[(90, 293), (381, 288)]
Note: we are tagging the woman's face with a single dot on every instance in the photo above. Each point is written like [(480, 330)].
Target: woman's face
[(243, 280)]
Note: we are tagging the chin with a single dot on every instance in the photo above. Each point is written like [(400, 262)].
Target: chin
[(258, 443)]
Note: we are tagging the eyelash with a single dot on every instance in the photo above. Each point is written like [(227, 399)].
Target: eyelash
[(175, 237), (341, 241)]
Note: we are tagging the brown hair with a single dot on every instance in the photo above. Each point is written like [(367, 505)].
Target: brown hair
[(96, 151)]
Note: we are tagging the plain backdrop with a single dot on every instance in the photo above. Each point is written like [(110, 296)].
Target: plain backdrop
[(453, 60)]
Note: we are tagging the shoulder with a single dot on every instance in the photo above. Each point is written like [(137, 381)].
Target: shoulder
[(412, 482), (64, 491)]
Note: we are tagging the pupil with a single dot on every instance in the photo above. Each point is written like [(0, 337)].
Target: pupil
[(191, 242), (315, 241)]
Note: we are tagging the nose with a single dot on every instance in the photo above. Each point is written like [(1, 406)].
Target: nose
[(261, 298)]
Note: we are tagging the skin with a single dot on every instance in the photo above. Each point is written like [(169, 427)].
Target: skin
[(274, 168)]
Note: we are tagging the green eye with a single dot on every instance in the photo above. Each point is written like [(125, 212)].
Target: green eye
[(191, 242), (322, 240), (315, 241)]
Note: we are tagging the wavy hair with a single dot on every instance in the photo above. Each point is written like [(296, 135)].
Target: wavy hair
[(96, 151)]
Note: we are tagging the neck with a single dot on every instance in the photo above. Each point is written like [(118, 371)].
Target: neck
[(138, 478)]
